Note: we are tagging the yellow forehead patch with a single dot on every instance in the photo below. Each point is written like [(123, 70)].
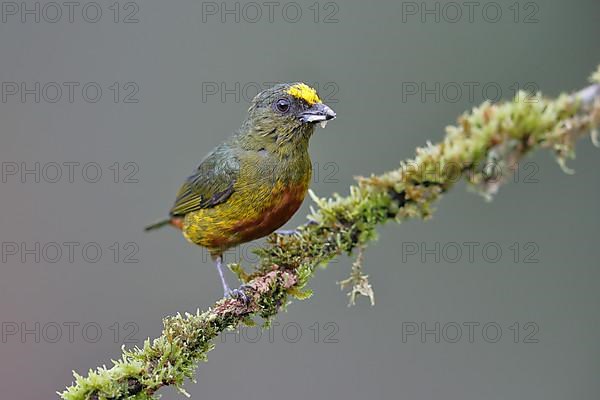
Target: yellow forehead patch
[(304, 92)]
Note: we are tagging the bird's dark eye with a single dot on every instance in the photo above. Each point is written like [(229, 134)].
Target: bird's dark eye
[(282, 105)]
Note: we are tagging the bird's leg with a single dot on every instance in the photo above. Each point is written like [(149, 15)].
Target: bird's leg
[(227, 292), (219, 263)]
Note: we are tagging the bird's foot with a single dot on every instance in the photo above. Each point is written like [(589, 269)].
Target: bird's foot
[(238, 294)]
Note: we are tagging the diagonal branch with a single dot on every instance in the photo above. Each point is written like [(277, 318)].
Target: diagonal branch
[(491, 138)]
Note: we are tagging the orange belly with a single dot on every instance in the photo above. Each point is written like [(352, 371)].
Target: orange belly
[(242, 218), (272, 218)]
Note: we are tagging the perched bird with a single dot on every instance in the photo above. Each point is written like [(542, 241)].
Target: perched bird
[(254, 182)]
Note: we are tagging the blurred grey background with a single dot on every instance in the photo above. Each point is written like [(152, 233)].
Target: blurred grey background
[(175, 80)]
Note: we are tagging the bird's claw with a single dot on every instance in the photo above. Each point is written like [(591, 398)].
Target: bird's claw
[(238, 294)]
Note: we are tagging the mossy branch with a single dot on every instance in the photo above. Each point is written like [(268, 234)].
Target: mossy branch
[(491, 135)]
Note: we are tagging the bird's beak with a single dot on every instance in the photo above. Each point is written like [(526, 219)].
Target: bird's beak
[(319, 112)]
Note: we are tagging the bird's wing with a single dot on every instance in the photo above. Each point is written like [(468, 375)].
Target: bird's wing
[(212, 183)]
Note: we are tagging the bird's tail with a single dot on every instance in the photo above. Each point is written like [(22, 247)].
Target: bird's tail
[(157, 224)]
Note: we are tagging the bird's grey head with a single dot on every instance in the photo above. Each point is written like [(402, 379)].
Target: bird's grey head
[(287, 112)]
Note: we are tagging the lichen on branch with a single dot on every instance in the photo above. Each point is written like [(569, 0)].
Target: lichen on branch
[(482, 148)]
